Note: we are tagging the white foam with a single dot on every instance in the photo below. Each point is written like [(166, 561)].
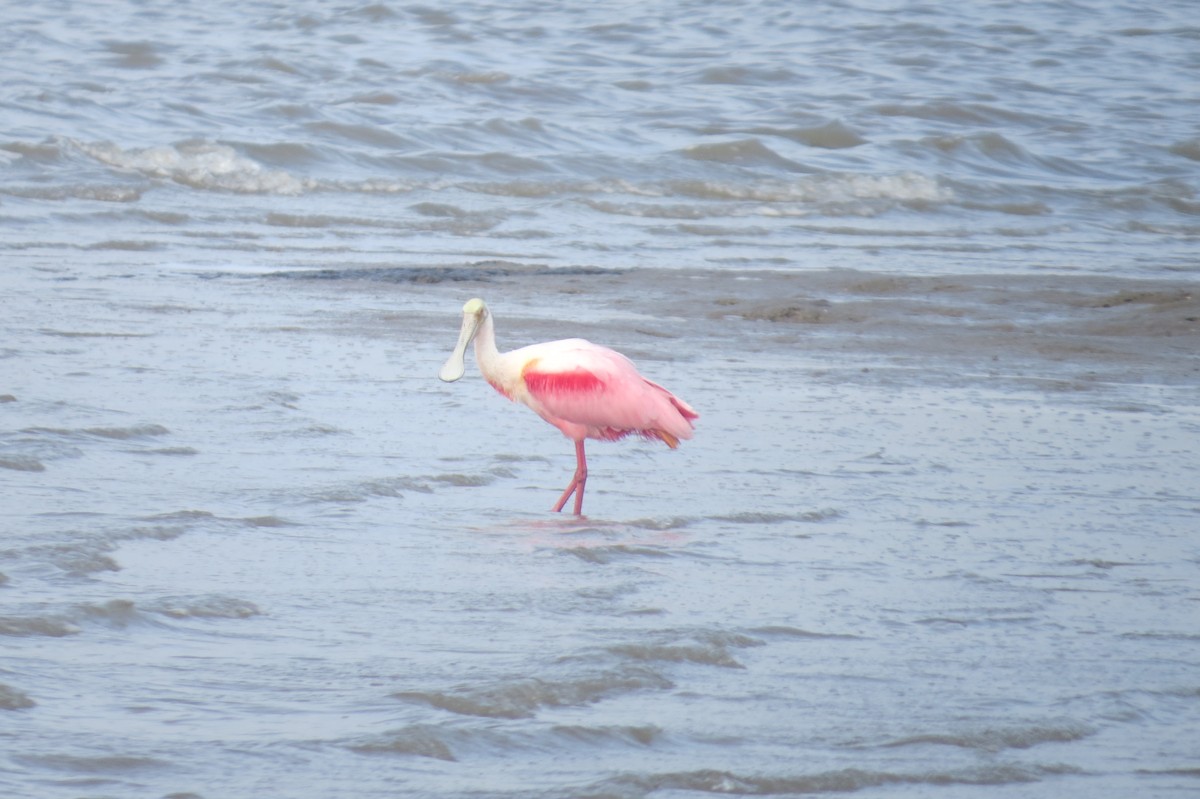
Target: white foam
[(202, 165), (904, 187)]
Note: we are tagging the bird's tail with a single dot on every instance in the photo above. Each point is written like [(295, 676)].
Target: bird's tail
[(682, 426), (684, 409)]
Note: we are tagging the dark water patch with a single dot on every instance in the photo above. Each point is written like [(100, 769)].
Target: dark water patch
[(126, 245), (997, 739), (784, 631), (644, 735), (745, 152), (389, 488), (123, 613), (80, 555), (49, 626), (211, 606), (180, 516), (710, 230), (46, 151), (705, 647), (644, 210), (114, 433), (809, 312), (971, 621), (370, 135), (420, 740), (711, 781), (478, 271), (443, 210), (280, 219), (91, 334), (1138, 296), (1161, 636), (520, 458), (85, 558), (679, 653), (171, 451), (524, 697), (117, 613), (1137, 407), (950, 523), (1189, 148), (1171, 772), (283, 154), (662, 524), (834, 135), (21, 463), (110, 194), (994, 152), (960, 113), (610, 553), (135, 54), (1111, 329), (465, 480), (316, 430), (452, 743), (371, 98), (101, 764), (989, 144), (266, 521), (759, 517), (1097, 563), (12, 699), (25, 450), (745, 75)]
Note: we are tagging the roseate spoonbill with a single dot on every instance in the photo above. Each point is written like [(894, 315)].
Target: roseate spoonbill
[(585, 390)]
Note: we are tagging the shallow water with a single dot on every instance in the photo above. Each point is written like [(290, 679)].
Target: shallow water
[(928, 276)]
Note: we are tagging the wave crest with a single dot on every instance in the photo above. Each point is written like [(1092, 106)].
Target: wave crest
[(200, 165)]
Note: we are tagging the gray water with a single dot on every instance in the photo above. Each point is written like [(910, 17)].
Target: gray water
[(927, 272)]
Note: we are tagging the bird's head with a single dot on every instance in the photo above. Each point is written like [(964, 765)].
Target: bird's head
[(474, 314)]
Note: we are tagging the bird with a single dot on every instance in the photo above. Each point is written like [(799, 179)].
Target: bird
[(583, 389)]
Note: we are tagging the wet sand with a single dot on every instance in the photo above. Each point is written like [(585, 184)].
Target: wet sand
[(1072, 328)]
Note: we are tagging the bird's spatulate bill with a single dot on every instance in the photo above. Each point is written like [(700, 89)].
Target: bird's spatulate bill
[(455, 365)]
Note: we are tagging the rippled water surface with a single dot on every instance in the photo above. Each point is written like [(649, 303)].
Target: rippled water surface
[(928, 273)]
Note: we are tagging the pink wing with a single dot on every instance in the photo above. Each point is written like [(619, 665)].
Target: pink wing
[(592, 391)]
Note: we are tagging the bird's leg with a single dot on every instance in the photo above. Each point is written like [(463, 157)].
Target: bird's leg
[(577, 482), (580, 476)]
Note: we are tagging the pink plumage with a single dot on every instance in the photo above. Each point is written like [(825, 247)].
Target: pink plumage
[(585, 390)]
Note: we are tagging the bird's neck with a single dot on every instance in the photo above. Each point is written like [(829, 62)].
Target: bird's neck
[(486, 354)]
